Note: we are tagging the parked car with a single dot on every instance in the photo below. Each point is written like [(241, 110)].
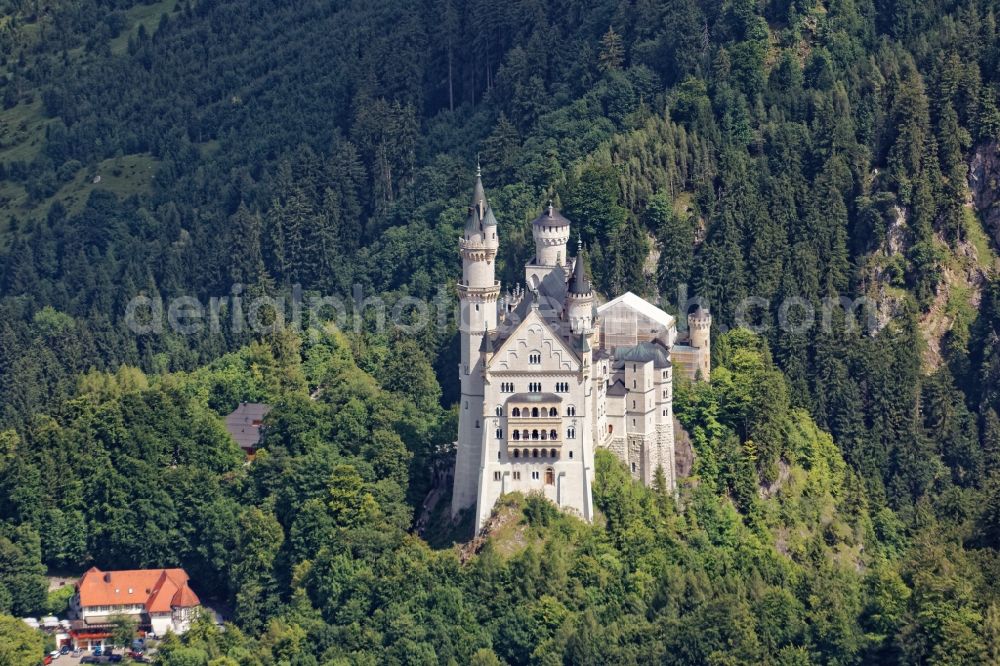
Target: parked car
[(90, 660), (46, 660), (114, 658), (65, 649), (98, 651)]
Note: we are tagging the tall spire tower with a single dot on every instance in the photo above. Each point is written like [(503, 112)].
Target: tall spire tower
[(579, 297), (478, 292)]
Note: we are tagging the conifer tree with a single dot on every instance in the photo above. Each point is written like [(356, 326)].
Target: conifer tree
[(612, 53)]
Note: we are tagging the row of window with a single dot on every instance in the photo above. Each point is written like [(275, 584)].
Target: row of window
[(535, 434), (550, 476), (518, 435), (536, 453), (534, 387), (535, 412)]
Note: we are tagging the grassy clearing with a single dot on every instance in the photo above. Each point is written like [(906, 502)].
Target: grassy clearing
[(682, 203), (978, 238), (125, 176), (22, 131), (145, 15)]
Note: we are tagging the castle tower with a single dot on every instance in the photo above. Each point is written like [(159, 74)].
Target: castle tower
[(700, 326), (547, 272), (580, 298), (478, 292), (551, 233)]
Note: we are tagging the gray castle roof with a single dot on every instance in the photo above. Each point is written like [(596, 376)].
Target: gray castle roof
[(578, 283), (643, 353), (472, 222), (617, 388), (550, 217), (534, 397)]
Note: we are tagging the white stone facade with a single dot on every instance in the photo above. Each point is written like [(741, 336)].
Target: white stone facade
[(547, 377)]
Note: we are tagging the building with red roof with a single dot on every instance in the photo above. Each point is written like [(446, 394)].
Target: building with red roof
[(160, 600)]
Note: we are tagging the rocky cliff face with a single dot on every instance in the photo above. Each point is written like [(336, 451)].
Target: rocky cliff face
[(984, 184)]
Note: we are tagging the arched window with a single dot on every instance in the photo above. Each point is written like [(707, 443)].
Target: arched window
[(534, 434), (517, 435), (553, 411), (534, 453), (553, 435), (516, 412), (545, 435), (571, 433), (553, 453), (534, 411), (499, 433), (611, 428), (524, 453), (550, 476), (499, 410), (524, 434), (571, 410), (517, 452)]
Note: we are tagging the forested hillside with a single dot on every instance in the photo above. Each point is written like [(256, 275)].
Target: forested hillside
[(845, 501)]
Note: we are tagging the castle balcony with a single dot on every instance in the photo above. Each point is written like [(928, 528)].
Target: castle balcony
[(533, 452), (473, 290), (487, 294), (532, 431), (533, 406), (476, 244)]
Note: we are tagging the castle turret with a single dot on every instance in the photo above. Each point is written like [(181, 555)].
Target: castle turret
[(478, 292), (547, 272), (699, 327), (551, 233), (579, 298)]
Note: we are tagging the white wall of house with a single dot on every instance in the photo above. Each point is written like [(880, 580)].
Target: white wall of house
[(161, 622)]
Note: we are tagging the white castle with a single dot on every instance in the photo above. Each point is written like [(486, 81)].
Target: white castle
[(548, 375)]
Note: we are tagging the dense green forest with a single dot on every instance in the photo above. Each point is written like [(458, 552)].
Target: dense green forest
[(844, 506)]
